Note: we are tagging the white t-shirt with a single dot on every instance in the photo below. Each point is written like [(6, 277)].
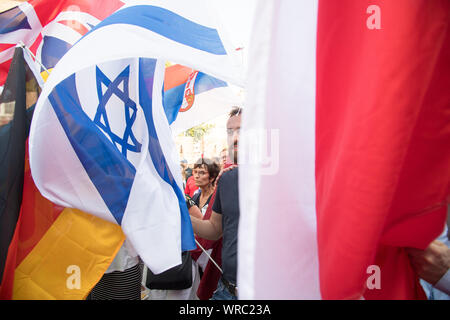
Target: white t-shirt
[(125, 258)]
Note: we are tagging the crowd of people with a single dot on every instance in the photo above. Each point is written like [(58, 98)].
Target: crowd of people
[(212, 197)]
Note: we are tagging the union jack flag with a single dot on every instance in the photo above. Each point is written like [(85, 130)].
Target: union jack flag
[(48, 28)]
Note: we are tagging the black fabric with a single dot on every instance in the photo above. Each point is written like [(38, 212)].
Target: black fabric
[(13, 135), (196, 199), (227, 204), (176, 278)]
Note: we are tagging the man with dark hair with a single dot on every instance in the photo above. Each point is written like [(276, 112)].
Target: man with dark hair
[(233, 128), (224, 218), (235, 111)]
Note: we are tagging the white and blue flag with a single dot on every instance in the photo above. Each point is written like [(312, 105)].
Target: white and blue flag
[(100, 140)]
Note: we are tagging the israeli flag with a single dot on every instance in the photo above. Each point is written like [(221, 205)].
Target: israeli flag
[(100, 140)]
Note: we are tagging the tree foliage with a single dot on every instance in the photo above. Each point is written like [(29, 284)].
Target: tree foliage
[(199, 131)]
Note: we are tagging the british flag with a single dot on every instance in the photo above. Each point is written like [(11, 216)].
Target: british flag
[(48, 28)]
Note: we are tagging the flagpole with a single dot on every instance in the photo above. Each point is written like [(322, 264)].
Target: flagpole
[(210, 258), (34, 57)]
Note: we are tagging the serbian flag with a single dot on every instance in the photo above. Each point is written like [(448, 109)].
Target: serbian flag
[(48, 28), (102, 109), (348, 105), (192, 97)]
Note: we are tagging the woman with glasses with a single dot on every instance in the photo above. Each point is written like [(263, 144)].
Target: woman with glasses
[(205, 173)]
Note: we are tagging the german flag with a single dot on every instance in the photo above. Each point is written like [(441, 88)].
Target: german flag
[(46, 251), (13, 134)]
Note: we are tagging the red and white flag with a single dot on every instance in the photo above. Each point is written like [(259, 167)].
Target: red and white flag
[(349, 108)]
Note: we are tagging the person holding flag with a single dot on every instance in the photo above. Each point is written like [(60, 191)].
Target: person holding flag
[(102, 108)]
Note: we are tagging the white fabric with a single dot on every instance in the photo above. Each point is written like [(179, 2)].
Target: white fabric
[(126, 258), (33, 67), (441, 290), (151, 220), (278, 224), (207, 106), (444, 283), (28, 36)]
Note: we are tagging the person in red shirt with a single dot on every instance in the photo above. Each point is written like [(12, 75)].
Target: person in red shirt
[(191, 187)]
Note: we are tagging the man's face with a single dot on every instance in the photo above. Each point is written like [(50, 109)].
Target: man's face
[(223, 157), (233, 127)]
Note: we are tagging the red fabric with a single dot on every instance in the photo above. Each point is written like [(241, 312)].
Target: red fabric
[(382, 142), (37, 214), (47, 10), (190, 187), (7, 283), (175, 76), (211, 275)]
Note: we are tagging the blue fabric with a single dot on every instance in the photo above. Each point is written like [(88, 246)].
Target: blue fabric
[(433, 292), (222, 293), (130, 108), (52, 51), (110, 172), (13, 20), (173, 98), (204, 83), (169, 25), (146, 72)]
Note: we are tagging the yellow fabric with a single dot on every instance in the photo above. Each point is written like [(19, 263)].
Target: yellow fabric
[(75, 239), (45, 74)]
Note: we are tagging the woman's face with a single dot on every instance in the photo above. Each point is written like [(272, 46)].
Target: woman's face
[(201, 176)]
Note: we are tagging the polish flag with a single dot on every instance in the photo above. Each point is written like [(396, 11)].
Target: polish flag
[(349, 108)]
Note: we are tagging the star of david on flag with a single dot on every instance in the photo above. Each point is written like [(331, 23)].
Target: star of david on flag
[(102, 110), (101, 117)]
